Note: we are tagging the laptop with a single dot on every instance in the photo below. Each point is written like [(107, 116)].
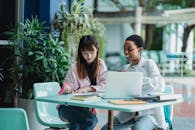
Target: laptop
[(123, 85)]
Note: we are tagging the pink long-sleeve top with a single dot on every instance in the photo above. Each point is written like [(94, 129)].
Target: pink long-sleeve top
[(75, 83)]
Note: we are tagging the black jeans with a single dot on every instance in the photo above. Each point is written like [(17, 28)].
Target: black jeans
[(80, 118)]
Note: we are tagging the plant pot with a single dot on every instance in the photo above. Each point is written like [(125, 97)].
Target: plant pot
[(28, 106)]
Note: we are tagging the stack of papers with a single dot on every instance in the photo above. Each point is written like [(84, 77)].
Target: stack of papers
[(161, 97)]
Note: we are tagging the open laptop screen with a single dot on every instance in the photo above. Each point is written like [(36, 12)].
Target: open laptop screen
[(123, 85)]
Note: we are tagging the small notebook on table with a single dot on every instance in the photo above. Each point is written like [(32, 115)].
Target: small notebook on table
[(87, 97), (127, 102)]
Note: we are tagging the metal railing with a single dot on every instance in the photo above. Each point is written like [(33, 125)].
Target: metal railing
[(173, 64)]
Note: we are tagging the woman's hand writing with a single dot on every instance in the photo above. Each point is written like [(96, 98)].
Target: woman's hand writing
[(65, 89), (84, 90)]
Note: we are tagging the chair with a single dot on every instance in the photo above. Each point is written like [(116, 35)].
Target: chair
[(13, 119), (46, 112), (168, 109)]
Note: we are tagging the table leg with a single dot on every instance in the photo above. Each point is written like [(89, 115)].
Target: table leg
[(110, 120)]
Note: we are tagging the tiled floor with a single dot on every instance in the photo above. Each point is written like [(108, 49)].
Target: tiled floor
[(184, 113)]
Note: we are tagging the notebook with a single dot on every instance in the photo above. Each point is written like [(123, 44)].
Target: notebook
[(86, 97), (127, 102), (123, 85)]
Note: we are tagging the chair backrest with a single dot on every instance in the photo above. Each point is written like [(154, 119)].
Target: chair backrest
[(13, 119), (47, 113), (168, 109), (46, 89)]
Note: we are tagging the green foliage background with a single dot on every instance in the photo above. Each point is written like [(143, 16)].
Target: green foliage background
[(38, 57)]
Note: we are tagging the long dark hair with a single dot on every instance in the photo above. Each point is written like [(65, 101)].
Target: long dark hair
[(86, 43)]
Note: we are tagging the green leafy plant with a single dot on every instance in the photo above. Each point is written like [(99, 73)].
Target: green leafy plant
[(38, 57), (74, 23)]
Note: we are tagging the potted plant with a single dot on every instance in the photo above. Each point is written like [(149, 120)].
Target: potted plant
[(73, 22), (38, 57)]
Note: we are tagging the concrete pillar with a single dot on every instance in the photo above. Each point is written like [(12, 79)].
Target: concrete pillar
[(19, 11), (138, 20)]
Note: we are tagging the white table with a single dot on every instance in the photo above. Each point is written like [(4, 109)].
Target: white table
[(103, 104)]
